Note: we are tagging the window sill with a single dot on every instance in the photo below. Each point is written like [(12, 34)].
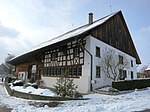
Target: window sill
[(97, 77), (98, 56)]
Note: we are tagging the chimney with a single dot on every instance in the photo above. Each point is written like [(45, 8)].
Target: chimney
[(90, 18)]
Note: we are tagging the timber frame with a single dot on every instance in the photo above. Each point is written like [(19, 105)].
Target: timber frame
[(65, 59)]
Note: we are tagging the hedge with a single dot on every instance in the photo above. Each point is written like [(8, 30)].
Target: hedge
[(131, 84)]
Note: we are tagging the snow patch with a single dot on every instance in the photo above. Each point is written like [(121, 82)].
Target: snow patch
[(32, 90), (135, 101)]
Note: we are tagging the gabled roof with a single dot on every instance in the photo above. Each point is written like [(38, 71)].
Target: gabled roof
[(70, 34), (74, 32)]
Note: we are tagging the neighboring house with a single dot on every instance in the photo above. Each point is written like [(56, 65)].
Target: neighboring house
[(78, 54), (145, 73)]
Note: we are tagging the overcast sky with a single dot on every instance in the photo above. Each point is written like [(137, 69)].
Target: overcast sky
[(27, 23)]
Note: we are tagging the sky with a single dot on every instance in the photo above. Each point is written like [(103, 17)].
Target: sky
[(26, 23)]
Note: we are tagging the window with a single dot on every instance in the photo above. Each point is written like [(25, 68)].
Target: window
[(79, 71), (97, 51), (120, 59), (131, 74), (59, 71), (98, 72), (76, 51), (74, 71), (54, 56), (131, 63), (49, 72), (70, 71), (66, 71), (122, 74), (55, 71), (52, 71), (62, 71), (125, 73)]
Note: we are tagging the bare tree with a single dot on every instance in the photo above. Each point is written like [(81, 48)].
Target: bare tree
[(112, 65), (8, 65)]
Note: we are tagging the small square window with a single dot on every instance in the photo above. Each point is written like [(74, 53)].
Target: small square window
[(98, 72), (97, 51)]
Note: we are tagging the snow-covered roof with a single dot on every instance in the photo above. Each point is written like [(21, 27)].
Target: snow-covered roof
[(148, 68), (70, 34), (74, 32)]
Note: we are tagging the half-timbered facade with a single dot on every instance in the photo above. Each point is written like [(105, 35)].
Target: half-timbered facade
[(78, 54)]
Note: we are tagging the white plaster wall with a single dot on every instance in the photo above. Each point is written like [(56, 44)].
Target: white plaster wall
[(82, 83), (97, 61)]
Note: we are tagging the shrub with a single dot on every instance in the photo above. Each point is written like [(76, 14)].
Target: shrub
[(18, 83), (34, 85), (78, 95), (131, 84), (10, 79), (65, 87)]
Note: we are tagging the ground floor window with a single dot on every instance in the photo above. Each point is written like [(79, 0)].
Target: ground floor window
[(122, 74), (98, 71), (131, 74), (62, 71)]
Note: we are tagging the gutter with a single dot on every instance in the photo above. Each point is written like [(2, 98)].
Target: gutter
[(91, 87)]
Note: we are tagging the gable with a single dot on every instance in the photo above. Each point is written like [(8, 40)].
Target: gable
[(115, 33)]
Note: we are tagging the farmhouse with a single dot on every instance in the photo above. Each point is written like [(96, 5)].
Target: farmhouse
[(79, 53)]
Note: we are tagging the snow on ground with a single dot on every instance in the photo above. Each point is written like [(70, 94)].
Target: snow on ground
[(135, 101), (31, 90)]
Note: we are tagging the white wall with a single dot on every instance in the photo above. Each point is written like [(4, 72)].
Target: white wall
[(82, 83), (97, 61)]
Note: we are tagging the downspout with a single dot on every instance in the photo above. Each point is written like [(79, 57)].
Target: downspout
[(91, 87)]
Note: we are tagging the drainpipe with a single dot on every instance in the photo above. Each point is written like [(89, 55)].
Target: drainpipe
[(91, 87)]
